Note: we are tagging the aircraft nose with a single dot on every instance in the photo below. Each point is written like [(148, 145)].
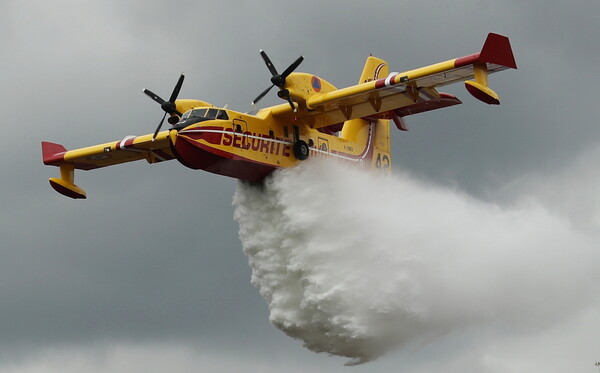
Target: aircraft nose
[(180, 125)]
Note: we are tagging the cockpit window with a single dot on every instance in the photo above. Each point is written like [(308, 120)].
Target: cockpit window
[(222, 114), (200, 113), (211, 113)]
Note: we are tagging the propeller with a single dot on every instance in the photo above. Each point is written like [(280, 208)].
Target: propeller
[(278, 79), (168, 106)]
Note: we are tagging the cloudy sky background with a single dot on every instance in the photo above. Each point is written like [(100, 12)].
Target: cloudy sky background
[(148, 273)]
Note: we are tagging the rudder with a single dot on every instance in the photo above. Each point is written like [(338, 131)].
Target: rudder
[(356, 130), (375, 68)]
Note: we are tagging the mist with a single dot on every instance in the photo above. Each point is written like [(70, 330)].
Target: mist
[(358, 264)]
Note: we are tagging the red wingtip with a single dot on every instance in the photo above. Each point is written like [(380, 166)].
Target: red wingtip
[(497, 49), (52, 154)]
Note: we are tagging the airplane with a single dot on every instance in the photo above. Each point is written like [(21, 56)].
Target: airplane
[(317, 120)]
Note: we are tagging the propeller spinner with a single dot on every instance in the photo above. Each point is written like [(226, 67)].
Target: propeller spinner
[(278, 79), (168, 106)]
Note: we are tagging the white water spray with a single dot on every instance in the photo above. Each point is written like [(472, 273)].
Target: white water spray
[(355, 264)]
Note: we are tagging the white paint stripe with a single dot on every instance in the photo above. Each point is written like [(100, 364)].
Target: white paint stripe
[(353, 159), (236, 133), (388, 80), (378, 70), (127, 138), (364, 154)]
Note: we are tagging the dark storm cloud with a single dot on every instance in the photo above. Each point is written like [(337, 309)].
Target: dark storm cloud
[(153, 253)]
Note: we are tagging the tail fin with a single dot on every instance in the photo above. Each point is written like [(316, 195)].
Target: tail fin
[(357, 130), (375, 68)]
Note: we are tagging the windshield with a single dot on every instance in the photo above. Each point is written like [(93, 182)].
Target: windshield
[(206, 114)]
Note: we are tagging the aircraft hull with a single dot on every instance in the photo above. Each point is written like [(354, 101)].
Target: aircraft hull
[(196, 155)]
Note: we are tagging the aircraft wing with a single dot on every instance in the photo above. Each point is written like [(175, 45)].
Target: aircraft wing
[(129, 149), (414, 91)]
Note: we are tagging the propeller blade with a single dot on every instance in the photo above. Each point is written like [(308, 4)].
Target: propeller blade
[(171, 108), (262, 94), (159, 126), (286, 94), (292, 67), (177, 89), (269, 64), (294, 109), (279, 79), (154, 96)]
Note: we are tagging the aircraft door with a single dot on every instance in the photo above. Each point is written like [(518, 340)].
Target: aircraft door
[(240, 133), (323, 146)]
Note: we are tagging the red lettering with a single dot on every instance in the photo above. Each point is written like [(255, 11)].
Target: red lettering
[(264, 146), (278, 145), (272, 147), (227, 139), (237, 139), (245, 142), (255, 144)]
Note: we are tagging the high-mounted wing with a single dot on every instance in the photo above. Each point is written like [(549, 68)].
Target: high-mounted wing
[(129, 149), (413, 91)]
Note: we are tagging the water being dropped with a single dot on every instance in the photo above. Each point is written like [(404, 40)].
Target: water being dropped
[(355, 264)]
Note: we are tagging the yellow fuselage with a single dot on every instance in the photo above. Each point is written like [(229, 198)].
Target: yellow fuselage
[(249, 147)]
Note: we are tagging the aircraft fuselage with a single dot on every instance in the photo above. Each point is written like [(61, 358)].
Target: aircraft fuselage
[(249, 147)]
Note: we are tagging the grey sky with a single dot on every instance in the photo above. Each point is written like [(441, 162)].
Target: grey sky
[(151, 264)]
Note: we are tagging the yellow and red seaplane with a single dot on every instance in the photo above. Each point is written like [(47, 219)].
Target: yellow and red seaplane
[(318, 120)]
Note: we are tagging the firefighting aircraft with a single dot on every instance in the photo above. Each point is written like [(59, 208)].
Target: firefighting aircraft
[(318, 120)]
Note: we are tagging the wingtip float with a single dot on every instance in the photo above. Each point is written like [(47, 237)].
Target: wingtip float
[(317, 120), (496, 55), (53, 155)]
